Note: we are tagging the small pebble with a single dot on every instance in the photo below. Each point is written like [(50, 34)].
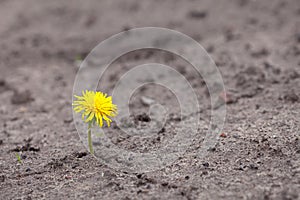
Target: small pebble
[(223, 135), (196, 14), (206, 164), (139, 175), (147, 101), (253, 166)]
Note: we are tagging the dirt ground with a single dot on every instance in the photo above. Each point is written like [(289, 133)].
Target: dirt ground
[(255, 44)]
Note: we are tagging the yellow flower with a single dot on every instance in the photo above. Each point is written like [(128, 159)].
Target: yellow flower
[(95, 106)]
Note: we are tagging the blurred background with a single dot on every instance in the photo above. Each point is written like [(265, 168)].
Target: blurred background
[(255, 44)]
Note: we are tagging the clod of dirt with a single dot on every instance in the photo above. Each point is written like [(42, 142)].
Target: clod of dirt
[(196, 14), (241, 167), (164, 184), (212, 149), (251, 74), (174, 117), (162, 130), (291, 96), (23, 156), (204, 173), (27, 147), (253, 166), (272, 68), (68, 119), (206, 164), (21, 97), (55, 164), (2, 178), (143, 118), (254, 71), (260, 53), (75, 165), (248, 81), (80, 154), (291, 75), (139, 176), (252, 91), (231, 34), (3, 86)]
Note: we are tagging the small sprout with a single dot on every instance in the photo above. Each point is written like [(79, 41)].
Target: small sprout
[(18, 157), (94, 107)]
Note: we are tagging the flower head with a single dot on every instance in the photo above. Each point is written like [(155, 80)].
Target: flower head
[(95, 106)]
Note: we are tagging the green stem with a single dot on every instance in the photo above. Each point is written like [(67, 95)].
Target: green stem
[(90, 139)]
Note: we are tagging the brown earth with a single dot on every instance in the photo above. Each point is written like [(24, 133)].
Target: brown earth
[(256, 45)]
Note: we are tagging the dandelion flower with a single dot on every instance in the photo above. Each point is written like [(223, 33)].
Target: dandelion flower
[(95, 107)]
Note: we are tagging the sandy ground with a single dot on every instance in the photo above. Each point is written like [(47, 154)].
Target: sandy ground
[(256, 45)]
